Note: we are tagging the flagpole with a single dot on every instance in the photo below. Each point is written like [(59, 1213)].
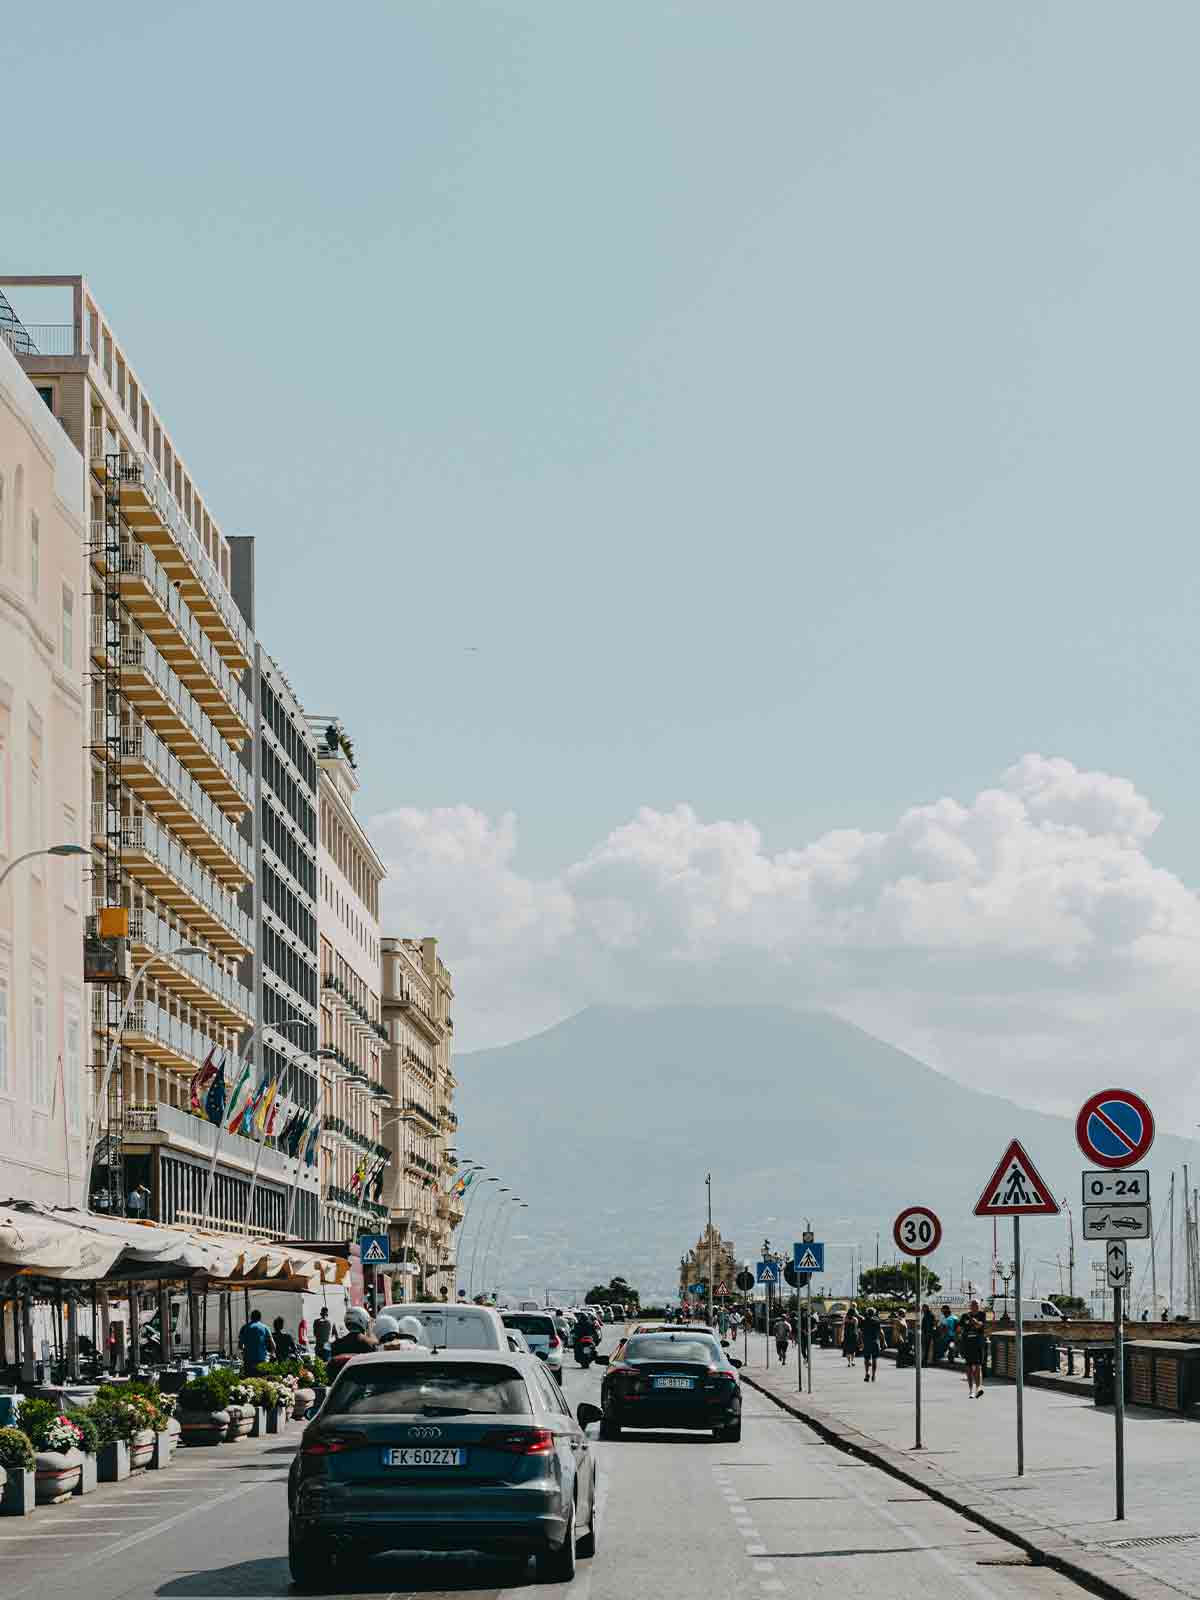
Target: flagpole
[(291, 1211), (212, 1165), (291, 1022)]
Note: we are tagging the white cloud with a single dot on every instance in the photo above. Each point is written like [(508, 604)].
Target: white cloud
[(1023, 942)]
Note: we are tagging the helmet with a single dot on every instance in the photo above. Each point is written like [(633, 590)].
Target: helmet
[(357, 1320), (385, 1327), (410, 1328)]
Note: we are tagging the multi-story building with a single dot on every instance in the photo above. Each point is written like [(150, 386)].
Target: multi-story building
[(352, 1034), (422, 1213), (710, 1248), (167, 648), (282, 901), (42, 649)]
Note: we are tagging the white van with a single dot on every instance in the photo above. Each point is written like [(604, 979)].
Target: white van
[(455, 1327), (1031, 1310)]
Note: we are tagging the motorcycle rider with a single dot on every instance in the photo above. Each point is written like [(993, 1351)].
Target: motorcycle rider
[(356, 1341), (582, 1335)]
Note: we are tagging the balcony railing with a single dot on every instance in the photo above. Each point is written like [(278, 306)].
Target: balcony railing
[(149, 929), (153, 1022), (143, 834), (43, 339)]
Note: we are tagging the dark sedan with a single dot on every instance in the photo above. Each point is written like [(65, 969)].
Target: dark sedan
[(672, 1380), (467, 1450)]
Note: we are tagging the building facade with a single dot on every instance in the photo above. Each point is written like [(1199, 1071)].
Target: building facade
[(283, 970), (694, 1267), (354, 1118), (166, 716), (422, 1210), (42, 651)]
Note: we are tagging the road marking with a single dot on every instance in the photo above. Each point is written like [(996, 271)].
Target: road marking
[(52, 1534), (764, 1566), (756, 1549)]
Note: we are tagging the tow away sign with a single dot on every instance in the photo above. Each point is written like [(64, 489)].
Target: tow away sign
[(1016, 1188)]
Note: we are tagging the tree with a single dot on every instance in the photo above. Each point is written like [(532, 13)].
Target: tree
[(1071, 1304), (900, 1279), (617, 1291)]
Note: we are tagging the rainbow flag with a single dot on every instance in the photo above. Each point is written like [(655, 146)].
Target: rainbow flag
[(237, 1101)]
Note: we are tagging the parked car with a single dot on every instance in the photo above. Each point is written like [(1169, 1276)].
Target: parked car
[(465, 1450), (543, 1338), (456, 1327)]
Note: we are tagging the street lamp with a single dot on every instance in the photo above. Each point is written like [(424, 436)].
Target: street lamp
[(498, 1226), (482, 1223), (317, 1055), (49, 850), (180, 953), (521, 1205)]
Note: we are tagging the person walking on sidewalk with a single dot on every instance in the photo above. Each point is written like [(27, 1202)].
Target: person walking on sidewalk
[(949, 1333), (872, 1338), (783, 1337), (927, 1332), (971, 1343), (850, 1336)]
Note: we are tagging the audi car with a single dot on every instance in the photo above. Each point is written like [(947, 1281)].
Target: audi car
[(672, 1380), (470, 1450)]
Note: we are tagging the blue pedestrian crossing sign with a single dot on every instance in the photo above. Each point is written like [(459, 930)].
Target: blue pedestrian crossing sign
[(808, 1258), (374, 1250), (766, 1272)]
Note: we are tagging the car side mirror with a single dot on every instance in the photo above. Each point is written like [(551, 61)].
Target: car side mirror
[(724, 1344), (311, 1412), (542, 1355), (601, 1361), (736, 1361), (586, 1414)]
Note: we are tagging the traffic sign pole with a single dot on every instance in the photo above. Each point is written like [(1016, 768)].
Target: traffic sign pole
[(1020, 1350), (808, 1344), (919, 1343), (1119, 1395), (918, 1232)]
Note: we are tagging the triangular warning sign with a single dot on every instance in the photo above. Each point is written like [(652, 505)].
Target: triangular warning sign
[(374, 1251), (807, 1263), (1016, 1189)]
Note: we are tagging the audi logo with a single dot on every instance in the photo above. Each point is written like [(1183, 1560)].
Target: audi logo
[(424, 1433)]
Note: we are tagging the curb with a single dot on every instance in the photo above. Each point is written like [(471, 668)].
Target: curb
[(1102, 1574)]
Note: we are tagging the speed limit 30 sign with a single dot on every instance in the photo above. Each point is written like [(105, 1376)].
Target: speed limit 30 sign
[(917, 1231)]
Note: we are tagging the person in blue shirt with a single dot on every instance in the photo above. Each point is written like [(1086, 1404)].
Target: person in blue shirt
[(255, 1343)]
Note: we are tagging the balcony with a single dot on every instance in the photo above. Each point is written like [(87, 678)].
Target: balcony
[(165, 616), (424, 1113), (419, 1013), (150, 684), (153, 1032), (197, 979), (343, 1197), (185, 1130), (150, 509), (153, 857), (163, 783)]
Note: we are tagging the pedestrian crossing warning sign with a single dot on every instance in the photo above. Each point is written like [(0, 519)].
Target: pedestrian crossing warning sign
[(373, 1249), (1016, 1188)]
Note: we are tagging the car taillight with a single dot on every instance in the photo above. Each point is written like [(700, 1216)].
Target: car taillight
[(623, 1372), (329, 1444), (524, 1442), (554, 1341)]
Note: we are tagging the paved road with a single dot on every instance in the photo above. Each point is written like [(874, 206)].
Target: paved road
[(779, 1514)]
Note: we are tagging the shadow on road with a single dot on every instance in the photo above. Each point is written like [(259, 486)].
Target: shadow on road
[(662, 1436), (268, 1579)]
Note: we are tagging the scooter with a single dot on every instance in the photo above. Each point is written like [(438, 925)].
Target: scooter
[(585, 1350)]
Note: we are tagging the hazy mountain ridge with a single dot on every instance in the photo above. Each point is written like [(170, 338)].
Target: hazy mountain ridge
[(607, 1123)]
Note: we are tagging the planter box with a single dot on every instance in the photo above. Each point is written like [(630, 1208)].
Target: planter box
[(112, 1463), (173, 1433), (58, 1471), (277, 1417), (203, 1427), (87, 1475), (258, 1423), (20, 1493), (160, 1456), (241, 1420), (304, 1399)]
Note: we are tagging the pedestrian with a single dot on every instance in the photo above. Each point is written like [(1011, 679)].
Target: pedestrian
[(323, 1331), (850, 1336), (285, 1345), (255, 1343), (302, 1333), (949, 1332), (872, 1337), (138, 1200), (357, 1339), (783, 1337), (927, 1329), (805, 1335), (723, 1321), (971, 1341), (114, 1347)]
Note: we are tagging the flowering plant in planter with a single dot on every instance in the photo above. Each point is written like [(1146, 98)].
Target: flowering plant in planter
[(62, 1434), (242, 1394)]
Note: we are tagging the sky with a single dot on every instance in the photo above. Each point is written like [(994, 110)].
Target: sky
[(742, 426)]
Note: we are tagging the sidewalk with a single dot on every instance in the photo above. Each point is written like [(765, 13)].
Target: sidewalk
[(1062, 1509)]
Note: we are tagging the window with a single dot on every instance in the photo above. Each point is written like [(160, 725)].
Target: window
[(72, 1062), (41, 1083), (47, 394), (68, 627), (35, 554)]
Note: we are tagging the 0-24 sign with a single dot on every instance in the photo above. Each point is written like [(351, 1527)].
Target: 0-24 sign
[(917, 1231)]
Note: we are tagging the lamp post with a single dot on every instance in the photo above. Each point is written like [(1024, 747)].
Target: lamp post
[(481, 1224), (503, 1220), (476, 1170), (319, 1055), (521, 1205), (180, 953), (708, 1186), (494, 1219), (401, 1118), (49, 850), (244, 1057)]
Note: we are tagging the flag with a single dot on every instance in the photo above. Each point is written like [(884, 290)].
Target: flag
[(286, 1126), (214, 1100), (277, 1109), (379, 1172), (200, 1080), (237, 1100), (264, 1106), (252, 1105), (296, 1133), (360, 1173), (314, 1139)]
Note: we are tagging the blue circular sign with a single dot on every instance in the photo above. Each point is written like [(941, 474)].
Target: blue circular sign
[(1114, 1128)]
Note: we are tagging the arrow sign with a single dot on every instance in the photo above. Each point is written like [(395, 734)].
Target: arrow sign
[(1016, 1188), (1117, 1256)]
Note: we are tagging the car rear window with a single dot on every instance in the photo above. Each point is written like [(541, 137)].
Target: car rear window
[(428, 1388), (664, 1347), (527, 1322)]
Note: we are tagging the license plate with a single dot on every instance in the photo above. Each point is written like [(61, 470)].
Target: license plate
[(674, 1383), (424, 1456)]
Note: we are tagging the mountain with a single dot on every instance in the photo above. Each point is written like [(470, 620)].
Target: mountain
[(607, 1123)]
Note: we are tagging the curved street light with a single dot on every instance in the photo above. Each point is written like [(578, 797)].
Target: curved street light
[(491, 1239), (502, 1217), (180, 953), (479, 1228), (49, 850), (505, 1232)]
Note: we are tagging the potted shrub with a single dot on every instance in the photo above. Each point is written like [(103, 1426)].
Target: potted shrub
[(241, 1409), (19, 1465), (116, 1422), (203, 1409), (55, 1440), (89, 1444)]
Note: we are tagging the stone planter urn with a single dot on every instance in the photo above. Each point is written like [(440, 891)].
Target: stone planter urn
[(203, 1427), (141, 1448), (174, 1433), (87, 1475), (112, 1463), (241, 1420), (57, 1473), (304, 1399), (277, 1417), (20, 1493)]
